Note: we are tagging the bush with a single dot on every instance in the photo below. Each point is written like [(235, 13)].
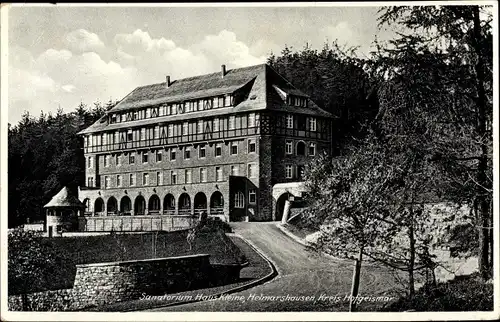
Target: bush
[(216, 223), (463, 240), (464, 293), (31, 263)]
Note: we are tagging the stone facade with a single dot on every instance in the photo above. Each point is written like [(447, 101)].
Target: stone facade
[(119, 281), (102, 283)]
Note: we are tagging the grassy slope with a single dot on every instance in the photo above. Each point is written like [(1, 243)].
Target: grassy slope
[(109, 248)]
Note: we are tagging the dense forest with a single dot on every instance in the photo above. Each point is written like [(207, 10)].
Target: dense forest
[(45, 154)]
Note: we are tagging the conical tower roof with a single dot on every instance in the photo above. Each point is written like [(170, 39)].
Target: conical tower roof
[(64, 199)]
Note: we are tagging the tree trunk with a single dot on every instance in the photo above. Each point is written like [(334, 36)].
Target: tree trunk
[(484, 213), (24, 300), (355, 281), (411, 264)]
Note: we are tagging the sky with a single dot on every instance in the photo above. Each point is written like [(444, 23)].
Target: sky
[(60, 56)]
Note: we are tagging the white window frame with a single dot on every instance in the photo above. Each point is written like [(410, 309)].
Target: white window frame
[(218, 145), (232, 122), (312, 145), (254, 143), (203, 175), (188, 176), (239, 200), (251, 120), (145, 179), (159, 178), (312, 124), (107, 182), (289, 147), (132, 180), (216, 127), (252, 193), (173, 177), (200, 148), (159, 153), (119, 181), (289, 121), (173, 152), (251, 174), (237, 172), (145, 154), (187, 151), (289, 171), (233, 144), (219, 174)]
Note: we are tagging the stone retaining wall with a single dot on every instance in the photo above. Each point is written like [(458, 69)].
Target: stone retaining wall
[(102, 283), (112, 282)]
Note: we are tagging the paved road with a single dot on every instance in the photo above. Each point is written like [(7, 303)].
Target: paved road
[(301, 273)]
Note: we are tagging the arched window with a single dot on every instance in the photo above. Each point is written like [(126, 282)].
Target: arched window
[(184, 202), (239, 200), (112, 206), (125, 205), (200, 201), (99, 205), (301, 148), (169, 202), (154, 204), (139, 205), (216, 200)]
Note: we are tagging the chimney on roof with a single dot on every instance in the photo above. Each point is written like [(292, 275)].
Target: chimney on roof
[(167, 81), (223, 70)]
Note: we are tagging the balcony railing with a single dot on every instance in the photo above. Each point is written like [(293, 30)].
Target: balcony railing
[(179, 139), (217, 211)]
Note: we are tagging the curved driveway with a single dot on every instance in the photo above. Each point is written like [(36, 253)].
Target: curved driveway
[(307, 281)]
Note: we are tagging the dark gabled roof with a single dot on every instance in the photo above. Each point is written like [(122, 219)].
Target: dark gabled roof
[(260, 81), (189, 88), (64, 199)]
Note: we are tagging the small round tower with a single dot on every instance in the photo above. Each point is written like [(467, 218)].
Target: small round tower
[(62, 213)]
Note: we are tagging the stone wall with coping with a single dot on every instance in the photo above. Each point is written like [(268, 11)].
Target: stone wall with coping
[(102, 283)]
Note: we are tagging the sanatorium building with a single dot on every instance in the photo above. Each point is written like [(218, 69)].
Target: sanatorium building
[(227, 143)]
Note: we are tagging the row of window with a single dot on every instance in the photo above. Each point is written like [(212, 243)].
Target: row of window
[(312, 124), (117, 159), (173, 130), (173, 109), (300, 148), (239, 198), (297, 101), (294, 171), (195, 127), (187, 178)]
